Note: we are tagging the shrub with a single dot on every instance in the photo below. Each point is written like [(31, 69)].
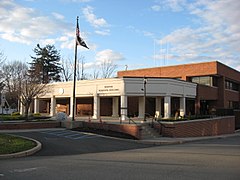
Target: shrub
[(10, 117), (37, 115), (15, 114)]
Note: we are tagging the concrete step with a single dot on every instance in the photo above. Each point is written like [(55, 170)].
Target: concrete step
[(148, 132)]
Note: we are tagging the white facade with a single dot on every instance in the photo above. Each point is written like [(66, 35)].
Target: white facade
[(119, 89)]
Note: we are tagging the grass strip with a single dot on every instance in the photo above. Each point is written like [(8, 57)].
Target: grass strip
[(12, 144)]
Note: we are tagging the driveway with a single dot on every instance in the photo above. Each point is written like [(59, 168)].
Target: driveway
[(57, 142)]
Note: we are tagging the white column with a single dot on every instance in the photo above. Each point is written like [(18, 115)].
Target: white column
[(123, 107), (158, 107), (167, 106), (71, 107), (53, 106), (36, 105), (115, 106), (96, 106), (141, 107), (182, 106), (21, 109)]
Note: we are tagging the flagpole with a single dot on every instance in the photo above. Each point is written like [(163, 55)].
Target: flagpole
[(74, 80)]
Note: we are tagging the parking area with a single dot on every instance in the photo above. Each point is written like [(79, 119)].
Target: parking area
[(56, 142), (69, 134)]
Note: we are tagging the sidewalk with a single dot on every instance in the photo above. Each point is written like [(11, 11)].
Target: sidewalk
[(169, 140)]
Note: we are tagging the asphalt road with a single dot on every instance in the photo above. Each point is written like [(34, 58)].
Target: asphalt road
[(209, 159), (66, 142)]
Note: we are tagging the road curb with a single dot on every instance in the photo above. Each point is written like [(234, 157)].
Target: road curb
[(182, 141), (29, 152), (172, 141)]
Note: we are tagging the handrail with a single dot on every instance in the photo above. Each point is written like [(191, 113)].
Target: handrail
[(160, 129), (131, 120)]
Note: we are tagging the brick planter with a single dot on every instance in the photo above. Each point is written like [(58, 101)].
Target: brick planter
[(197, 128), (29, 125), (133, 130)]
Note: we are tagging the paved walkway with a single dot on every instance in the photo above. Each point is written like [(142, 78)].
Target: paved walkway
[(169, 140)]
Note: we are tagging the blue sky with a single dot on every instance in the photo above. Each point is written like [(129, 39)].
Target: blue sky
[(136, 33)]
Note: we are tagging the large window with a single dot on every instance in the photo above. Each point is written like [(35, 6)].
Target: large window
[(233, 104), (205, 80), (231, 85)]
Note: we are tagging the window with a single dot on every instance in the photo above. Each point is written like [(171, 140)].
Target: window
[(231, 85), (205, 80), (233, 104)]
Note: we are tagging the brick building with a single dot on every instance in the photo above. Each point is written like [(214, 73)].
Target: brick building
[(218, 86)]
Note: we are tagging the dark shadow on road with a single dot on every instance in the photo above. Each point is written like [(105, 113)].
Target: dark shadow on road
[(53, 145)]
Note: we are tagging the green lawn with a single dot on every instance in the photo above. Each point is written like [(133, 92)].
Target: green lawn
[(12, 144)]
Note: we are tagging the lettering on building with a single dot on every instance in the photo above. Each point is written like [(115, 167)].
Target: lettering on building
[(108, 89)]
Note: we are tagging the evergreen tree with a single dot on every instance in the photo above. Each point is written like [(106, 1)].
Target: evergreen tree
[(45, 67)]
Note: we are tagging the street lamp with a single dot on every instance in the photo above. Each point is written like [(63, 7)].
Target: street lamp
[(144, 97)]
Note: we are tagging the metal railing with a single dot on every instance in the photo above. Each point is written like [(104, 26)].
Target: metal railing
[(131, 120)]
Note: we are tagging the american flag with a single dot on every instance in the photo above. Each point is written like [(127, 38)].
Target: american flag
[(79, 40)]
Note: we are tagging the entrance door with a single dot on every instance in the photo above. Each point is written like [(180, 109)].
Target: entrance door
[(204, 107)]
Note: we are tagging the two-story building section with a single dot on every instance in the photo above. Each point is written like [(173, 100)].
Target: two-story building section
[(218, 86)]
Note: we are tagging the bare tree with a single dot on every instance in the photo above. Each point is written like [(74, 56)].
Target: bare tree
[(13, 74), (108, 68), (96, 73), (20, 86), (29, 90), (80, 71), (67, 69), (2, 59)]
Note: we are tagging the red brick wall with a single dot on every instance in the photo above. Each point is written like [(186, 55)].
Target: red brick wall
[(197, 128), (132, 130), (29, 125), (228, 72), (237, 119), (232, 95), (207, 92), (185, 70), (179, 71)]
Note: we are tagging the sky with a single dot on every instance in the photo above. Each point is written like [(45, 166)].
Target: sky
[(130, 33)]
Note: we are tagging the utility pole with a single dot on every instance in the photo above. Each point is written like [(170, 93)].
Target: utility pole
[(144, 97)]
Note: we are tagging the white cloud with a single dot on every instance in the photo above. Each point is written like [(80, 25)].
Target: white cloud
[(24, 25), (92, 19), (174, 5), (104, 32), (140, 32), (156, 8), (47, 41), (217, 38), (108, 55), (58, 16)]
